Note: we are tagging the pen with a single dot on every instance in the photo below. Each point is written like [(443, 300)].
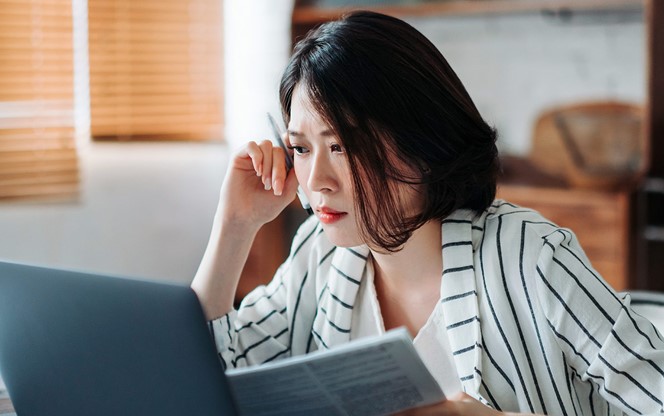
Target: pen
[(289, 162)]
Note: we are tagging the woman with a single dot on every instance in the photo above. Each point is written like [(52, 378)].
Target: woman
[(397, 162)]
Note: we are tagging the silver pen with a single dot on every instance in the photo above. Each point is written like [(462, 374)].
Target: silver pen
[(289, 162)]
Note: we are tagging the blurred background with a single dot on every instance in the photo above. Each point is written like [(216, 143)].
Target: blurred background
[(117, 118)]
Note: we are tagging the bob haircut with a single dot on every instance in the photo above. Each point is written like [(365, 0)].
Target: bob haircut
[(402, 116)]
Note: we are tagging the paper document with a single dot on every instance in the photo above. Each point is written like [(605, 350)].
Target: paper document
[(370, 376)]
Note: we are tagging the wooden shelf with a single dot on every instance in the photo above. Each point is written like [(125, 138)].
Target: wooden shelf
[(303, 15)]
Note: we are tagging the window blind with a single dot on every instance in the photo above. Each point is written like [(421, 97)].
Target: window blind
[(37, 147), (156, 69)]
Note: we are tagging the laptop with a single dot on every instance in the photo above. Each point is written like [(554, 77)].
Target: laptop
[(75, 343)]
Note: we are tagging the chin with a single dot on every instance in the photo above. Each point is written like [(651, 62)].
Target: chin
[(342, 239)]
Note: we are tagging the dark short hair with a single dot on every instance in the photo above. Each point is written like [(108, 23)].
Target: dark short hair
[(389, 95)]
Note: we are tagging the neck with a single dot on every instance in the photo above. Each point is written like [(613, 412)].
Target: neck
[(408, 282), (417, 263)]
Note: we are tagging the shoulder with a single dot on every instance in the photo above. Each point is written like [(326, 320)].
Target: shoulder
[(513, 221), (522, 236)]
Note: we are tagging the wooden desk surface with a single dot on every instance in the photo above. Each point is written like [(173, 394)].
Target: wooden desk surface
[(6, 407)]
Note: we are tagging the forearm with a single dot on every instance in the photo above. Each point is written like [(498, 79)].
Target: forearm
[(218, 275), (246, 203)]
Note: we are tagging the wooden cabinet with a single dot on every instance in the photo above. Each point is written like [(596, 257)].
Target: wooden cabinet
[(650, 257), (600, 220)]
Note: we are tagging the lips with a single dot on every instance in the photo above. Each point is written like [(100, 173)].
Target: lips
[(328, 216)]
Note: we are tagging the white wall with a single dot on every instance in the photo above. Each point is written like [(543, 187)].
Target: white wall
[(515, 66), (145, 210), (256, 49)]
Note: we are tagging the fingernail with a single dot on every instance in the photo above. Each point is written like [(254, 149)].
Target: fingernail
[(268, 184), (277, 188)]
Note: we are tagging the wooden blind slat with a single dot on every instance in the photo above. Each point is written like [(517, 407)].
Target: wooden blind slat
[(49, 26), (32, 79), (34, 4), (33, 170), (64, 173), (146, 5), (151, 36), (54, 13), (34, 147), (46, 63), (175, 48), (156, 109), (155, 69), (38, 93), (169, 123), (42, 157), (37, 148)]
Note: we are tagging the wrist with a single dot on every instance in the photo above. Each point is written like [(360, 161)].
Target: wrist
[(234, 223)]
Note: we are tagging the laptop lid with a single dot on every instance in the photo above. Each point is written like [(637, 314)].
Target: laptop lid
[(74, 343)]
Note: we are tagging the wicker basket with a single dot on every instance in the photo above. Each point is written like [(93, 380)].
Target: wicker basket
[(591, 145)]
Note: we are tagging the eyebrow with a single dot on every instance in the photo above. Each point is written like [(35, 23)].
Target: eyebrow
[(325, 133)]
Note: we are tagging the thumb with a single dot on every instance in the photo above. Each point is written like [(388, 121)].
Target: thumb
[(461, 396)]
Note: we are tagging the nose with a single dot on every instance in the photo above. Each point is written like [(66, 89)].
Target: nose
[(322, 176)]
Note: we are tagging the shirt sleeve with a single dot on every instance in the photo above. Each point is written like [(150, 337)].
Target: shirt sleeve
[(261, 330), (258, 332), (603, 340)]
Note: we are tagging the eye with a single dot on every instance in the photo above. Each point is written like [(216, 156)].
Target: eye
[(299, 149), (337, 148)]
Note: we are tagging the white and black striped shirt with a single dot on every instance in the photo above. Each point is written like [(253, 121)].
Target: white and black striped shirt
[(532, 327)]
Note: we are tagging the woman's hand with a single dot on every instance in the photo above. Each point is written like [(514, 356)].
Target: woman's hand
[(461, 404), (256, 189), (257, 186)]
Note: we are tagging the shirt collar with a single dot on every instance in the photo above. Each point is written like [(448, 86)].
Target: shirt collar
[(458, 296)]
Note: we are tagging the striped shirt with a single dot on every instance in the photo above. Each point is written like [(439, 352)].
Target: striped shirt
[(531, 325)]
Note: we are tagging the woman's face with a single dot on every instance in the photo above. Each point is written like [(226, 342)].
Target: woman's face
[(322, 169)]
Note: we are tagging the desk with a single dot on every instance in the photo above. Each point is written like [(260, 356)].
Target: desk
[(6, 407)]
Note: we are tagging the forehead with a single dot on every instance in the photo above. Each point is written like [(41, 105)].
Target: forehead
[(303, 112)]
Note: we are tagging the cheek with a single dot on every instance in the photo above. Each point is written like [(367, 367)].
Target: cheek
[(302, 175)]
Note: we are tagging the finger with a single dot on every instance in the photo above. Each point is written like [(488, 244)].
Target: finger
[(431, 410), (278, 170), (461, 396), (256, 155), (290, 187), (266, 148)]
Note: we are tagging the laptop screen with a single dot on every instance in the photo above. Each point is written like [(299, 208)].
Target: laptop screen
[(82, 343)]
